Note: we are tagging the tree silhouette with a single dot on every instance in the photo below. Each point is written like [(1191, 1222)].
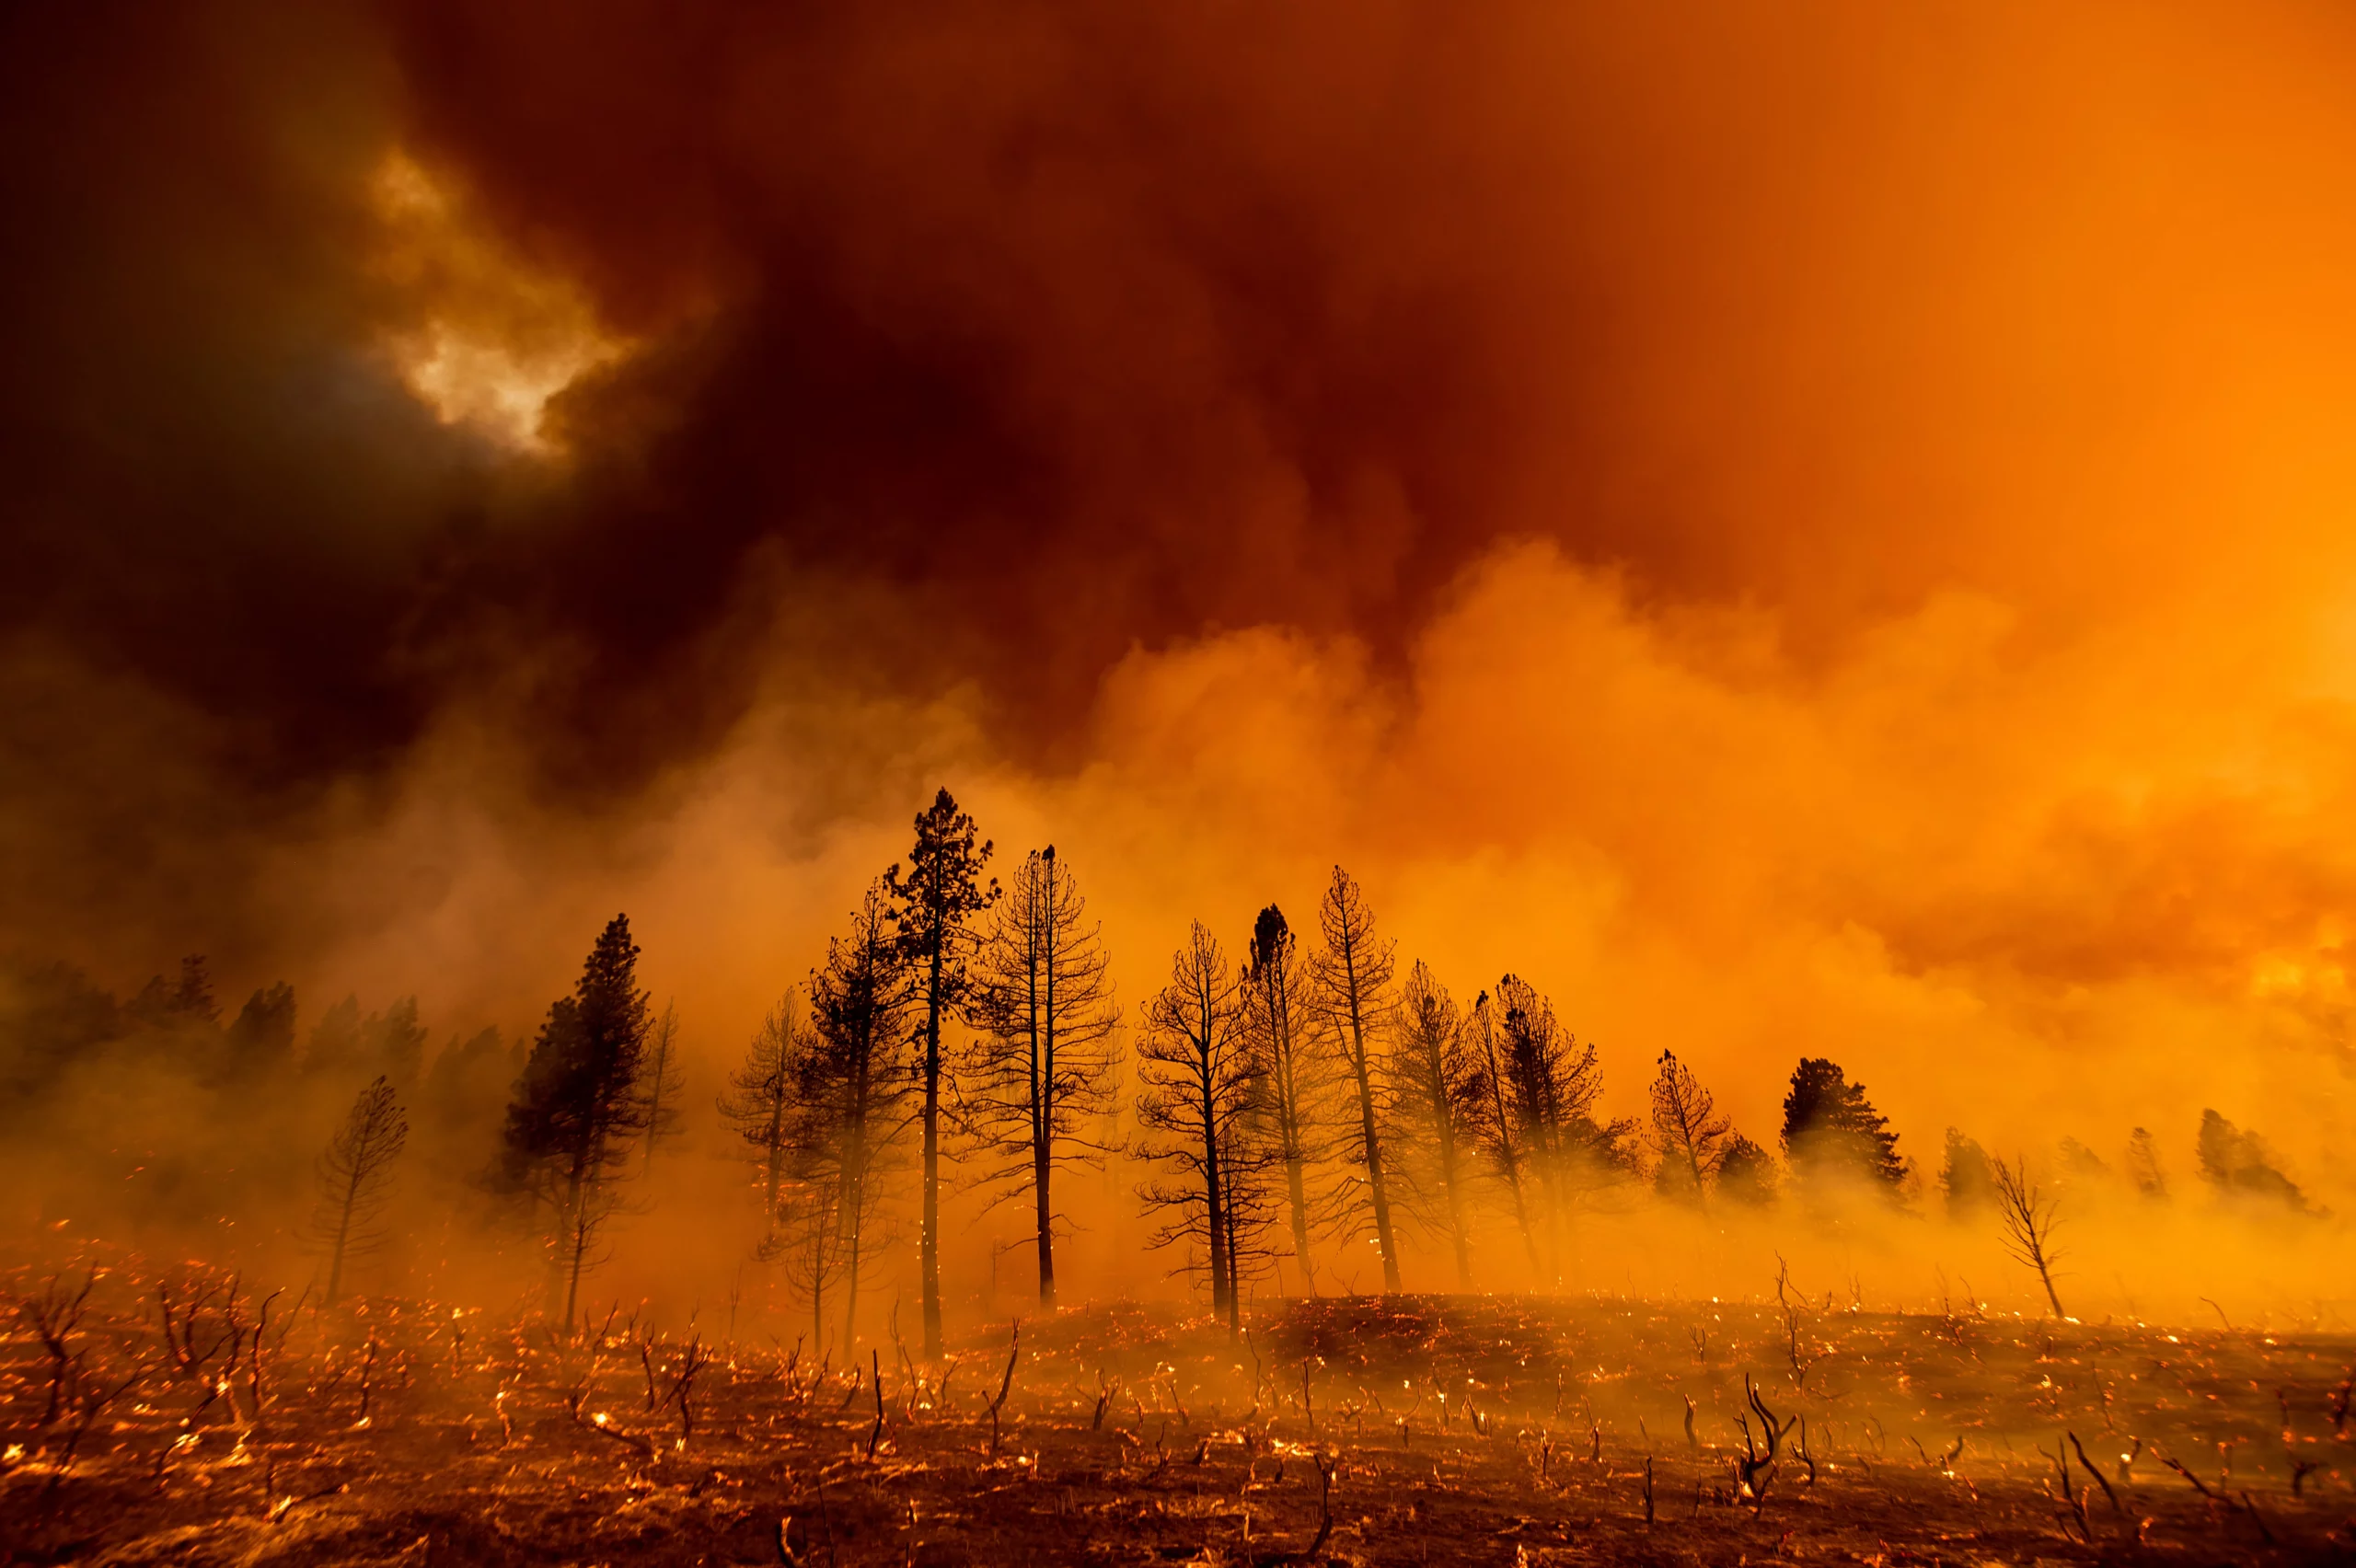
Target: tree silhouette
[(1967, 1177), (1691, 1136), (2239, 1165), (858, 1083), (941, 892), (582, 1101), (355, 1177), (778, 1104), (1553, 1082), (1832, 1132), (1498, 1132), (1292, 1108), (1352, 977), (1201, 1078), (1745, 1173), (1443, 1093), (662, 1082), (2143, 1166), (2027, 1217), (259, 1042), (1042, 1066)]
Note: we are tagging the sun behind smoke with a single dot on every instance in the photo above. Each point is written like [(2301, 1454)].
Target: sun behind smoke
[(487, 337)]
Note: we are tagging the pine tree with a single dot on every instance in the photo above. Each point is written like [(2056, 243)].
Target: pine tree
[(259, 1042), (1293, 1106), (1038, 1079), (2143, 1166), (858, 1083), (1691, 1136), (1352, 978), (334, 1043), (665, 1081), (1498, 1133), (1201, 1079), (393, 1042), (940, 893), (580, 1102), (1442, 1090), (781, 1105), (1831, 1132), (2239, 1165), (1553, 1082), (1966, 1178), (1745, 1173), (356, 1177)]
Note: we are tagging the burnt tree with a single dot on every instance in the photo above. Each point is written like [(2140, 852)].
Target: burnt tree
[(1352, 978), (1201, 1078), (354, 1178), (1041, 1071), (939, 893)]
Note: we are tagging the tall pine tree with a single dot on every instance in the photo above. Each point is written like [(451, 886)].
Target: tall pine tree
[(1040, 1076), (941, 892), (580, 1102)]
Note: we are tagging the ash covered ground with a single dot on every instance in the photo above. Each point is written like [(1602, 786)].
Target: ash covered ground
[(165, 1417)]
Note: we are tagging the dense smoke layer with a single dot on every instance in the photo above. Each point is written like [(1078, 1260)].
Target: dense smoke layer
[(1801, 535)]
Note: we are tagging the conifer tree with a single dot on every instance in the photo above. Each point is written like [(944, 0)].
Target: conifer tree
[(1967, 1177), (859, 1084), (1200, 1078), (259, 1042), (356, 1177), (1498, 1133), (1442, 1089), (1553, 1082), (665, 1081), (1832, 1132), (2239, 1165), (1691, 1136), (1038, 1081), (2143, 1166), (940, 893), (780, 1104), (1745, 1173), (1352, 979), (580, 1102), (1293, 1105)]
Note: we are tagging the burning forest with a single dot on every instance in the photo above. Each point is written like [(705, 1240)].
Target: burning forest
[(1556, 784)]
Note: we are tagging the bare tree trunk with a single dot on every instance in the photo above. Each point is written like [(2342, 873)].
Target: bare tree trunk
[(1296, 1191), (1214, 1214), (343, 1234), (929, 1239)]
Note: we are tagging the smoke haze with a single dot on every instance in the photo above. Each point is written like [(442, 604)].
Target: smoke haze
[(1812, 534)]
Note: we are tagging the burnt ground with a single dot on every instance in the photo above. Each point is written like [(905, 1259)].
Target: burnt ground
[(1360, 1431)]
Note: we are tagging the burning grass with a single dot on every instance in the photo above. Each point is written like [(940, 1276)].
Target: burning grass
[(184, 1418)]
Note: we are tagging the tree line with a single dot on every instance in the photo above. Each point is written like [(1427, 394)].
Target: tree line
[(1295, 1105)]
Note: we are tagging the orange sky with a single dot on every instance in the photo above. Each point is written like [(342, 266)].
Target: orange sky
[(1820, 529)]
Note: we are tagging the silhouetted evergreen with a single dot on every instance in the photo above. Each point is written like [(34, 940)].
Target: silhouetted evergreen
[(580, 1102), (1442, 1096), (858, 1082), (941, 891), (259, 1042), (2239, 1165), (1832, 1130), (1690, 1134), (355, 1175), (1352, 980), (1202, 1077), (1037, 1083), (1967, 1179)]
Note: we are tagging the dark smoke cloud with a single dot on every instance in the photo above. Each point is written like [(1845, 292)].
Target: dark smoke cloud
[(980, 343)]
